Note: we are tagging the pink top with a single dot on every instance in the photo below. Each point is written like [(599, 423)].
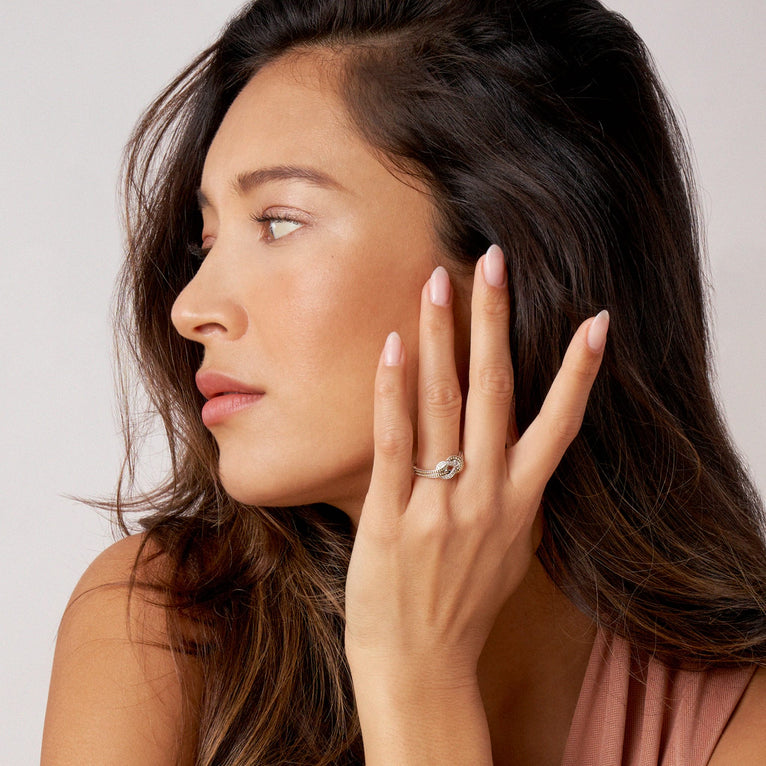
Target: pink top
[(641, 713)]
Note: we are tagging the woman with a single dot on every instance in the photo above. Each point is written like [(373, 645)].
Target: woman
[(326, 211)]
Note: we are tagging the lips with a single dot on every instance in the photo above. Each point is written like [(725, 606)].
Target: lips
[(225, 396)]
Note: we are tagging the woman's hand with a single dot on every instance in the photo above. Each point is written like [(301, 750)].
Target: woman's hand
[(434, 560)]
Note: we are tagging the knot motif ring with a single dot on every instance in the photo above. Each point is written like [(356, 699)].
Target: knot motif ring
[(447, 469)]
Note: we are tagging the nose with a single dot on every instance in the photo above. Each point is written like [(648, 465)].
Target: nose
[(208, 307)]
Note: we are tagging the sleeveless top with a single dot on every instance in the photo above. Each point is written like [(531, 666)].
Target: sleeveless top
[(634, 711)]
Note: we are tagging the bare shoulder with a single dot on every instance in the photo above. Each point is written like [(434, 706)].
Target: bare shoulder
[(115, 694), (743, 742)]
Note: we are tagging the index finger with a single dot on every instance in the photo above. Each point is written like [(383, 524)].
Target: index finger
[(536, 455)]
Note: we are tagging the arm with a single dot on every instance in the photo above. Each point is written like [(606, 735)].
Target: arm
[(410, 722), (113, 699)]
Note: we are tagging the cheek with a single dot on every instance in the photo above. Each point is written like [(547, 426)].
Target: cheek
[(337, 318), (322, 329)]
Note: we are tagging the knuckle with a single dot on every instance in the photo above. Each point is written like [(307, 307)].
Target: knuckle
[(382, 529), (482, 518), (496, 380), (565, 426), (442, 398), (582, 373), (437, 322), (496, 305), (581, 370), (386, 388), (433, 527), (393, 442)]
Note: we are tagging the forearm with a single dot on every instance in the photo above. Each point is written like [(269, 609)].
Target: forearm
[(408, 723)]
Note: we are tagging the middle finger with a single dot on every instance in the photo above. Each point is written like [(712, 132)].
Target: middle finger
[(490, 383)]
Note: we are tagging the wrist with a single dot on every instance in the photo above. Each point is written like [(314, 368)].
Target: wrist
[(411, 670), (411, 687), (408, 720)]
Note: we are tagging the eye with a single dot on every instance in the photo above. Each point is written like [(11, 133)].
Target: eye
[(278, 227)]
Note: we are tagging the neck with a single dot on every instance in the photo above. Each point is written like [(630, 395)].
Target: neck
[(531, 670)]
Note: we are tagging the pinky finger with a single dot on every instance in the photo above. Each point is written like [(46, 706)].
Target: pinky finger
[(391, 482)]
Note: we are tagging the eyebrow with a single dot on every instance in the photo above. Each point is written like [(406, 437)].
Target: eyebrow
[(249, 180)]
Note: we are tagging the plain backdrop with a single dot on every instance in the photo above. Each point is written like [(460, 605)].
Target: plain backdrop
[(74, 78)]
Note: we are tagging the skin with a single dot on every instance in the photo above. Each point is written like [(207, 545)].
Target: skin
[(483, 657), (304, 316), (347, 282)]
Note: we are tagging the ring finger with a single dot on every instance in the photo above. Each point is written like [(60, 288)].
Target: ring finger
[(439, 396)]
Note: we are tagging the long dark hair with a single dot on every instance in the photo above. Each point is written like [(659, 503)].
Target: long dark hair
[(539, 125)]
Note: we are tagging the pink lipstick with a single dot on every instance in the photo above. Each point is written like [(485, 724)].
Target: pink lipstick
[(225, 396)]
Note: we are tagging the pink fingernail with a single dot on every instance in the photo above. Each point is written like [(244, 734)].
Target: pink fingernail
[(597, 331), (392, 351), (494, 266), (439, 287)]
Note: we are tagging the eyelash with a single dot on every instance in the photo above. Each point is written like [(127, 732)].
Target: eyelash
[(269, 219), (200, 253)]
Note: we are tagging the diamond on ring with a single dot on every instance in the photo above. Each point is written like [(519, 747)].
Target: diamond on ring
[(446, 469)]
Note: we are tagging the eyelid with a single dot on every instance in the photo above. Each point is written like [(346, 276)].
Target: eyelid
[(289, 215), (199, 252)]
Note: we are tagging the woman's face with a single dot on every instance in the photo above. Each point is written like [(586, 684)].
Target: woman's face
[(298, 308)]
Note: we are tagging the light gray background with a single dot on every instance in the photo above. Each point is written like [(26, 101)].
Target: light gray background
[(74, 78)]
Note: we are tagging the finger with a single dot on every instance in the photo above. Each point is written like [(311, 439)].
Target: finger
[(490, 382), (535, 457), (439, 396), (391, 481)]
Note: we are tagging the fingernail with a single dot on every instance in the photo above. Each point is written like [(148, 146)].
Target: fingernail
[(392, 351), (439, 287), (494, 266), (597, 331)]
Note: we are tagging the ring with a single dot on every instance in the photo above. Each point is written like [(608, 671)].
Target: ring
[(447, 469)]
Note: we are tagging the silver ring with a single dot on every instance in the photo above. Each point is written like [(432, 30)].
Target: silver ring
[(447, 469)]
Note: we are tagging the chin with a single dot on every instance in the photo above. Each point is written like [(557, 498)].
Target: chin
[(266, 487), (276, 488), (249, 491)]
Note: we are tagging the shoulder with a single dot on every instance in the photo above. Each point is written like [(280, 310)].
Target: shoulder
[(115, 694), (104, 594), (116, 560), (112, 568), (743, 742)]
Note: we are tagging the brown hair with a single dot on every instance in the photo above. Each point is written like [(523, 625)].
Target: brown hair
[(539, 125)]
